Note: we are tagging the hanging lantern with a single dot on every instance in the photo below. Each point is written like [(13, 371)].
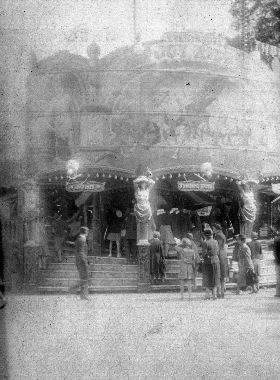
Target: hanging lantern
[(61, 177), (50, 179), (163, 177), (97, 175), (170, 176), (116, 177), (109, 176), (231, 180), (121, 178), (103, 175), (127, 180), (179, 175), (56, 178), (218, 176), (226, 178)]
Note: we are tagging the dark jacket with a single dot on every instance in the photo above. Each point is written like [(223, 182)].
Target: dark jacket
[(81, 247), (115, 224), (210, 251), (256, 249), (131, 227), (155, 246)]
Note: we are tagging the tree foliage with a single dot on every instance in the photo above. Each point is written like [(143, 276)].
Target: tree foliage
[(256, 20)]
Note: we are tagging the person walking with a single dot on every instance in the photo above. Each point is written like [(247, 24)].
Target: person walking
[(211, 265), (242, 255), (256, 256), (81, 250), (224, 271), (157, 263), (188, 260)]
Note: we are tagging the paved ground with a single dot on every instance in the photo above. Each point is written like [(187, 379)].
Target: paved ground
[(139, 336)]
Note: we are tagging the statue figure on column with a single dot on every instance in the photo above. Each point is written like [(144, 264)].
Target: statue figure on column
[(248, 209), (142, 207)]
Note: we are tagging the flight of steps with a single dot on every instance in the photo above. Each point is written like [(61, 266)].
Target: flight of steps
[(105, 274), (116, 275)]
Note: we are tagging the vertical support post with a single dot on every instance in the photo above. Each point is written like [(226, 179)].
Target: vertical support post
[(143, 213)]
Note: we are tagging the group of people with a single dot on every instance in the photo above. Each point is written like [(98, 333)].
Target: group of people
[(212, 262)]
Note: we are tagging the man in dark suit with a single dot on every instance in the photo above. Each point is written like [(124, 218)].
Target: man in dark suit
[(130, 226)]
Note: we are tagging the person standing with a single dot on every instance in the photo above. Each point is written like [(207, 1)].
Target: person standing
[(211, 264), (81, 250), (157, 263), (130, 226), (194, 246), (114, 231), (242, 255), (189, 258), (256, 256), (221, 239)]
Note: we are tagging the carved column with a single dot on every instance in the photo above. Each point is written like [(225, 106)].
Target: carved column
[(248, 208), (143, 213)]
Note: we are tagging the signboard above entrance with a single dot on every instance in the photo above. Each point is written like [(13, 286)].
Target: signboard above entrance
[(196, 186), (276, 188), (77, 187)]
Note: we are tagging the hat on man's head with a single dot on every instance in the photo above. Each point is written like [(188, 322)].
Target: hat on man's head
[(189, 235), (186, 243), (156, 235), (208, 233), (254, 235), (217, 226), (83, 230)]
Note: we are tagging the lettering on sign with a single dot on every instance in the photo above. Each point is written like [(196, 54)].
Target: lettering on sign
[(196, 186), (77, 187)]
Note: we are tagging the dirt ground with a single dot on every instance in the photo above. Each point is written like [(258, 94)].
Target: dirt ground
[(141, 336)]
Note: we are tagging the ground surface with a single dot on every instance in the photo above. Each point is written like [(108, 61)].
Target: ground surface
[(140, 336)]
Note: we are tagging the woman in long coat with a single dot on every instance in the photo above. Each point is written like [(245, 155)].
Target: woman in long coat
[(242, 254), (221, 239), (211, 264)]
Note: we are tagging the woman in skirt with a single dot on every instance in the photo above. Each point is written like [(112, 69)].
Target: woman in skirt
[(221, 239), (189, 258)]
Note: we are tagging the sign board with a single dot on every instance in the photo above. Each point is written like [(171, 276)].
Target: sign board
[(276, 188), (196, 186), (77, 187)]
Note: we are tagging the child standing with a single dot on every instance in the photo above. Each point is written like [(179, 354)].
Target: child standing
[(189, 257)]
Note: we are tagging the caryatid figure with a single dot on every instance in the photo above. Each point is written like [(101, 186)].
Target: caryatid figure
[(248, 208), (142, 207)]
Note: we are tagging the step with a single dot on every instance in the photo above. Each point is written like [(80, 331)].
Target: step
[(92, 274), (97, 267), (92, 289), (97, 259), (93, 282)]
